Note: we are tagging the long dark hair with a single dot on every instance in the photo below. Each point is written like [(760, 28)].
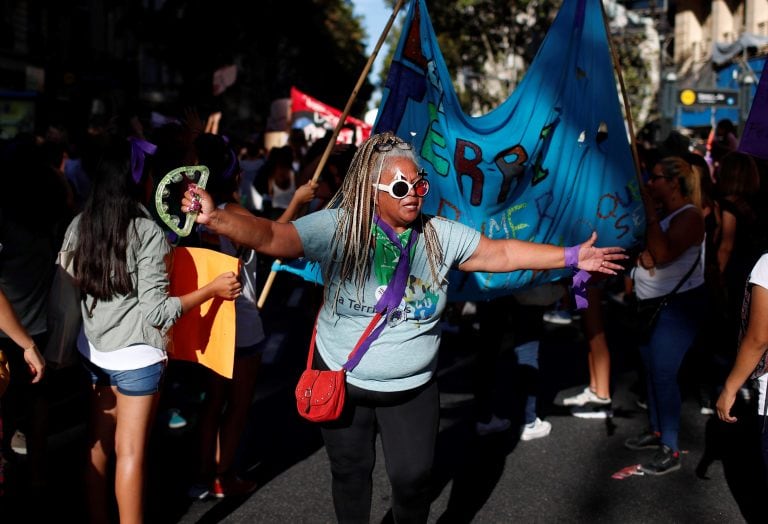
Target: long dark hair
[(114, 202)]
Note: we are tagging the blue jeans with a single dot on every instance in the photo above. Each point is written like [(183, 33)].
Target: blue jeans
[(662, 356), (527, 355)]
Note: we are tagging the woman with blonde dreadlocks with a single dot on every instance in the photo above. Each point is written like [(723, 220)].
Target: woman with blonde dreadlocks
[(380, 254)]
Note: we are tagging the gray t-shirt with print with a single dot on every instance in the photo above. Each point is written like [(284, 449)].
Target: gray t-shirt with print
[(405, 354)]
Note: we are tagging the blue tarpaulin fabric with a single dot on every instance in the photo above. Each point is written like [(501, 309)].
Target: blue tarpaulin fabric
[(550, 164)]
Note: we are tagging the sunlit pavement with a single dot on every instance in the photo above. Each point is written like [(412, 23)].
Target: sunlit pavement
[(565, 477)]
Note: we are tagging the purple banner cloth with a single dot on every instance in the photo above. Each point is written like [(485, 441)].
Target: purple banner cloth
[(580, 279), (754, 139)]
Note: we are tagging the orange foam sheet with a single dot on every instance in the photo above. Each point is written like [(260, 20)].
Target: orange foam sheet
[(205, 334)]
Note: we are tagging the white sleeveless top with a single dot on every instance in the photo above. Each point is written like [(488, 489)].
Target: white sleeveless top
[(281, 198), (662, 279)]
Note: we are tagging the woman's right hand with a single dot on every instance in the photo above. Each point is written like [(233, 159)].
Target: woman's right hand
[(305, 193), (197, 199), (227, 286), (645, 259)]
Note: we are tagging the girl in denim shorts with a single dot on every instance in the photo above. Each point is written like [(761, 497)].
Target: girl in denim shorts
[(120, 265)]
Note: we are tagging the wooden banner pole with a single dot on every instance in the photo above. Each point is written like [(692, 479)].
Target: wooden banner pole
[(339, 125), (624, 97)]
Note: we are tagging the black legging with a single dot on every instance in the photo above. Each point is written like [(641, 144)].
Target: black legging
[(408, 423)]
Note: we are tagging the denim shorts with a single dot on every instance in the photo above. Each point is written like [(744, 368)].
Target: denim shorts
[(132, 382)]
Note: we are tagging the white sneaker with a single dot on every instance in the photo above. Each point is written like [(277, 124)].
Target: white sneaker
[(582, 398), (557, 316), (469, 308), (600, 409), (19, 443), (495, 425), (536, 429)]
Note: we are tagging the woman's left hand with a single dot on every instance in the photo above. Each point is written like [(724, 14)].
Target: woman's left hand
[(724, 404), (600, 259), (35, 363)]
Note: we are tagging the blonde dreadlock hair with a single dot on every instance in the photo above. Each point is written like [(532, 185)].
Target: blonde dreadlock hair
[(357, 200)]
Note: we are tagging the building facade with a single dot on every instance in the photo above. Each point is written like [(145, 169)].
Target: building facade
[(718, 49)]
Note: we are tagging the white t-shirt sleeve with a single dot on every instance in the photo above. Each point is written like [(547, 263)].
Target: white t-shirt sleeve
[(759, 274), (759, 277)]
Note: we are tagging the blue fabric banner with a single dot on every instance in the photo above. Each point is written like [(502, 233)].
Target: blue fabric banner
[(550, 164)]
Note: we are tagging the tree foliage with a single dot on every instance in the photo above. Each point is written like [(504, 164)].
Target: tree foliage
[(483, 40), (314, 45)]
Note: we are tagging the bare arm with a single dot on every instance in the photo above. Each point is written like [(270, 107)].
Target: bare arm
[(265, 236), (727, 238), (501, 256), (226, 286), (685, 230), (754, 344), (11, 326)]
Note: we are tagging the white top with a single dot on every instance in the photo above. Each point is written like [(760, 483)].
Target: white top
[(281, 198), (662, 279), (125, 359), (249, 196), (759, 277)]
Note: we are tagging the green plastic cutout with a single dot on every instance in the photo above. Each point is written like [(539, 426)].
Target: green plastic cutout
[(181, 177)]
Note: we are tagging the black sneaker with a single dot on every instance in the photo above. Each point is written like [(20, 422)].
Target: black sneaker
[(665, 461), (647, 440), (599, 409)]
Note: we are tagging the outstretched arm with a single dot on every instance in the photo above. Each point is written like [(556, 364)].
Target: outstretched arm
[(754, 344), (265, 236), (501, 256)]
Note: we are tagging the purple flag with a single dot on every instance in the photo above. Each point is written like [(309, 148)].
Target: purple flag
[(754, 139)]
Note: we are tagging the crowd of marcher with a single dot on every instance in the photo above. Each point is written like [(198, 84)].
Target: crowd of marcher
[(360, 220)]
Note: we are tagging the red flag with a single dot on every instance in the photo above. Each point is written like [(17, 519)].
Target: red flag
[(315, 118)]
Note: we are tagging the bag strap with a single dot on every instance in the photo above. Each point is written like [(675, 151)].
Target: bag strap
[(364, 336), (386, 305), (682, 281)]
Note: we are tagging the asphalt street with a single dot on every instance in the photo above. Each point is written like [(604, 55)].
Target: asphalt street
[(565, 477)]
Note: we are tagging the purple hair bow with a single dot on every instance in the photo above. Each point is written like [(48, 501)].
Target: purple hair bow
[(139, 148), (232, 161)]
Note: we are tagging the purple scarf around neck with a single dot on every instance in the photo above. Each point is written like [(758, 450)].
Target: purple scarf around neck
[(393, 295)]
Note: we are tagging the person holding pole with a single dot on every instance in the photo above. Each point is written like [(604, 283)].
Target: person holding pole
[(225, 409), (374, 241), (669, 282)]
